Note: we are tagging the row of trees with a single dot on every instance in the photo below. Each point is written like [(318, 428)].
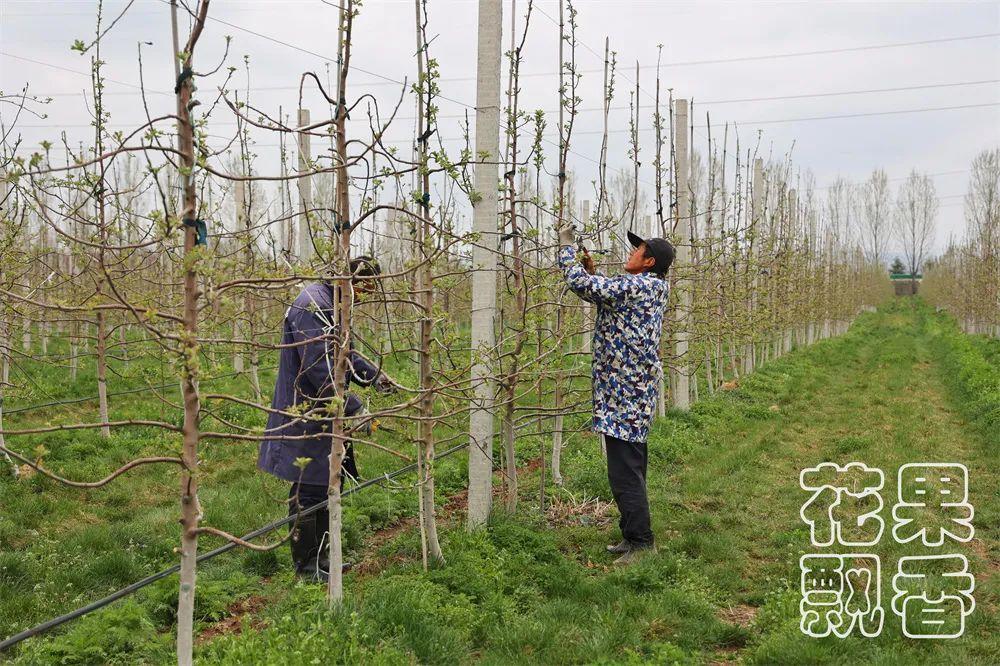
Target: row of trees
[(965, 279), (152, 243), (887, 223)]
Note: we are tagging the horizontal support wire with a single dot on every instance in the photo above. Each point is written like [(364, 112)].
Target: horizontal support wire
[(48, 625)]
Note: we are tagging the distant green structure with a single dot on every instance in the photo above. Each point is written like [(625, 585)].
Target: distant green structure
[(905, 284)]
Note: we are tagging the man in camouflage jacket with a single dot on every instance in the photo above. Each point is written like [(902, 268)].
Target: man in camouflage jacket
[(626, 370)]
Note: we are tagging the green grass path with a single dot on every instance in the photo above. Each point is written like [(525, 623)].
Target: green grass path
[(724, 489), (880, 396)]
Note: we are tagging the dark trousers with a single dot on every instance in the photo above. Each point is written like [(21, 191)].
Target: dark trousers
[(627, 463), (311, 494)]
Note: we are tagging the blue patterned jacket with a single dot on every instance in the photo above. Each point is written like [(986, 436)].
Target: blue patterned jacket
[(626, 358), (305, 375)]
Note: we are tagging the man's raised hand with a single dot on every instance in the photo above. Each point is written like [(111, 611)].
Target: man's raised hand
[(566, 235)]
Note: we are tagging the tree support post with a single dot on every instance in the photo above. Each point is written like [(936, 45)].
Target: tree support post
[(484, 224)]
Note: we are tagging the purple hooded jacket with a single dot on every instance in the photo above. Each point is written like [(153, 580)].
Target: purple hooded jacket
[(306, 374)]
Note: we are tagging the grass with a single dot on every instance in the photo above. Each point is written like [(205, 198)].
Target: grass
[(903, 385)]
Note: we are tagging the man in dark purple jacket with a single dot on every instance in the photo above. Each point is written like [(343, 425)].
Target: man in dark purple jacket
[(299, 427)]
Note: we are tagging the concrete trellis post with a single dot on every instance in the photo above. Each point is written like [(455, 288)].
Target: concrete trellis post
[(827, 279), (239, 201), (756, 211), (652, 228), (812, 271), (588, 309), (682, 396), (46, 244), (484, 259), (4, 339), (305, 188), (26, 319), (286, 228), (74, 327), (4, 379), (793, 225)]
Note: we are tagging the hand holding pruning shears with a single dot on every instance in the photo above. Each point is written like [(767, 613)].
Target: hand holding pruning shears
[(587, 260), (567, 236)]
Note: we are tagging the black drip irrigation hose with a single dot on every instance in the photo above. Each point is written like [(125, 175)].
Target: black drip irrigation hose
[(149, 580)]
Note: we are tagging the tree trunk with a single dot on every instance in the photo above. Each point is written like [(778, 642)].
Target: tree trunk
[(190, 509), (102, 370), (557, 436), (425, 290), (74, 348), (344, 295)]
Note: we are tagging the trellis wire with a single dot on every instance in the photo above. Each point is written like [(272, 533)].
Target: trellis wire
[(8, 643)]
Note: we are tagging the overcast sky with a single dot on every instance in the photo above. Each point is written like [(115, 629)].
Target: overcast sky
[(939, 142)]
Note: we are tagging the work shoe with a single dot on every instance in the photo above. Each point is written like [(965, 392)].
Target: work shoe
[(620, 548), (308, 544), (304, 541), (318, 571), (323, 572), (635, 553)]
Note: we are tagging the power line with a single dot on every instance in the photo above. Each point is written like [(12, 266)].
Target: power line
[(798, 54), (622, 108), (71, 71), (687, 63), (390, 140), (850, 92), (598, 55), (837, 93), (382, 77), (861, 115), (753, 123), (737, 123), (319, 55), (803, 96), (771, 56), (745, 123), (767, 122), (139, 89)]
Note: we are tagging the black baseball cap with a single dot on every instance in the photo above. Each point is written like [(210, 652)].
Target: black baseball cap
[(365, 266), (659, 248)]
